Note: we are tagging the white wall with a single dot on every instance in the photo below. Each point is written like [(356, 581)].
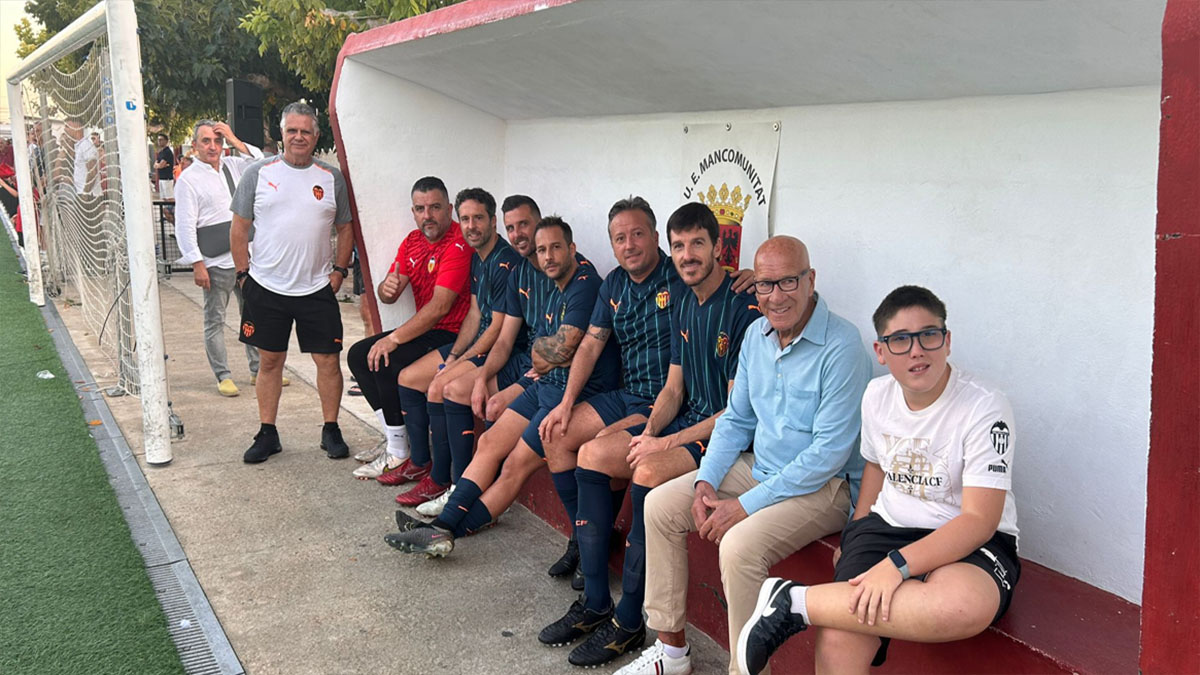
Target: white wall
[(394, 133), (1031, 216)]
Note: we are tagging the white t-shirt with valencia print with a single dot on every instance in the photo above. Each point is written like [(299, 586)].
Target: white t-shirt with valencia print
[(965, 439)]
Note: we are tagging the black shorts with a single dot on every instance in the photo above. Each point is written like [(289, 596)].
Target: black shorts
[(696, 448), (614, 406), (511, 372), (868, 540), (476, 361), (267, 320)]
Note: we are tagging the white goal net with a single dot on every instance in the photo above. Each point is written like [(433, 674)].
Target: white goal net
[(71, 129), (83, 176)]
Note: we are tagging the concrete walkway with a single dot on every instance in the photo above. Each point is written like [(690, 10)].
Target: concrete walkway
[(290, 552)]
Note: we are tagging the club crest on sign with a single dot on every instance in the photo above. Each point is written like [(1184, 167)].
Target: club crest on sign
[(729, 207), (318, 192)]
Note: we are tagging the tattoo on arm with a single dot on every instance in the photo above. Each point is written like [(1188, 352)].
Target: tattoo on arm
[(600, 334), (559, 349)]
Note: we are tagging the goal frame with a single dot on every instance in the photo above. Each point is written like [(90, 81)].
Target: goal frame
[(117, 20)]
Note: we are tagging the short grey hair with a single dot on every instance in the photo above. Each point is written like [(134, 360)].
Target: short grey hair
[(633, 203), (298, 108), (196, 131)]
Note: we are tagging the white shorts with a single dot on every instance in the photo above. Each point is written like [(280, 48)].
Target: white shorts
[(166, 189)]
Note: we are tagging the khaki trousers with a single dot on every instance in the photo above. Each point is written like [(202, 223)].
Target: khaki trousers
[(747, 550)]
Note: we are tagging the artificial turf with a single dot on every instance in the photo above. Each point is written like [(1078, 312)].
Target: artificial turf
[(74, 595)]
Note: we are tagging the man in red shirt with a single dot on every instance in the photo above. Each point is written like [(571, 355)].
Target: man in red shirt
[(436, 261)]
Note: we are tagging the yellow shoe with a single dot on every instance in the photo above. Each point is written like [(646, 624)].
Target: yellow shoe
[(227, 388), (254, 380)]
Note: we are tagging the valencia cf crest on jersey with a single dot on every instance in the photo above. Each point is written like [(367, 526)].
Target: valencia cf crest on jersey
[(662, 299), (318, 192), (432, 263), (722, 344)]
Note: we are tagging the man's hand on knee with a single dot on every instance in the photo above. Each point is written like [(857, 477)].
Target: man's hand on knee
[(699, 509), (725, 514)]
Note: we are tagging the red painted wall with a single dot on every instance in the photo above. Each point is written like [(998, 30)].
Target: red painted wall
[(1171, 591)]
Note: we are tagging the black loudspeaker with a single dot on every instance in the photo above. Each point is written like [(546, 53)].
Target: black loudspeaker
[(244, 105)]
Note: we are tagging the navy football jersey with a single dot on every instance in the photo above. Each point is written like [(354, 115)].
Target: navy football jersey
[(489, 281), (572, 306), (525, 297), (705, 341), (639, 315)]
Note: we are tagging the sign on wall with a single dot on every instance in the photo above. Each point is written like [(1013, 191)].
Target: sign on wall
[(730, 169)]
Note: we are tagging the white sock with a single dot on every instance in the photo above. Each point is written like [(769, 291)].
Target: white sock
[(382, 419), (675, 652), (397, 442), (800, 602)]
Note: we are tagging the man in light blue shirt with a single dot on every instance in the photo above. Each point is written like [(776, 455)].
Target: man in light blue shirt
[(800, 379)]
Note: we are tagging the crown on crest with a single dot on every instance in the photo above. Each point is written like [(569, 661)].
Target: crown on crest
[(728, 207)]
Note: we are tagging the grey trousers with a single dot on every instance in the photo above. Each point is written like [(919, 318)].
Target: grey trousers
[(216, 299)]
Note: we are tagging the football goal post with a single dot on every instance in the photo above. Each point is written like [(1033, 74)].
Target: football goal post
[(82, 162)]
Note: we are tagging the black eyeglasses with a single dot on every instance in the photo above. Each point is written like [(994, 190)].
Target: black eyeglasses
[(786, 284), (930, 339)]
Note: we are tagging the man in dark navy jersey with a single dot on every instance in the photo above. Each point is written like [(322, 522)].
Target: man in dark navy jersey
[(705, 324)]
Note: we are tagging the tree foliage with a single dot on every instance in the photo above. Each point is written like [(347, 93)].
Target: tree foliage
[(307, 34), (189, 48)]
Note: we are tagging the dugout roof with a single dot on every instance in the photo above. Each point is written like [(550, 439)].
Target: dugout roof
[(575, 58)]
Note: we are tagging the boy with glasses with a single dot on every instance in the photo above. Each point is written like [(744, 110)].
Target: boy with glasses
[(931, 554)]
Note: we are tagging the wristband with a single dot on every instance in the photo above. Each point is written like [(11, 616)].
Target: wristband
[(900, 563), (342, 271), (241, 275)]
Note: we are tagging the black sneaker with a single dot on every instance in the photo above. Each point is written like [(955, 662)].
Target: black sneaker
[(607, 643), (568, 562), (332, 443), (771, 624), (265, 445), (577, 622), (406, 522), (434, 542), (577, 580)]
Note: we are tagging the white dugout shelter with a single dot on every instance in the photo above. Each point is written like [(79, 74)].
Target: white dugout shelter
[(1004, 154)]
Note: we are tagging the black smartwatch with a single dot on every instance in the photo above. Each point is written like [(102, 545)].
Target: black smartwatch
[(241, 275), (900, 563), (342, 271)]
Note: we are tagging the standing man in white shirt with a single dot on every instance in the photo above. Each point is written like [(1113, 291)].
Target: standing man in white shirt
[(292, 200), (85, 172), (202, 200)]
